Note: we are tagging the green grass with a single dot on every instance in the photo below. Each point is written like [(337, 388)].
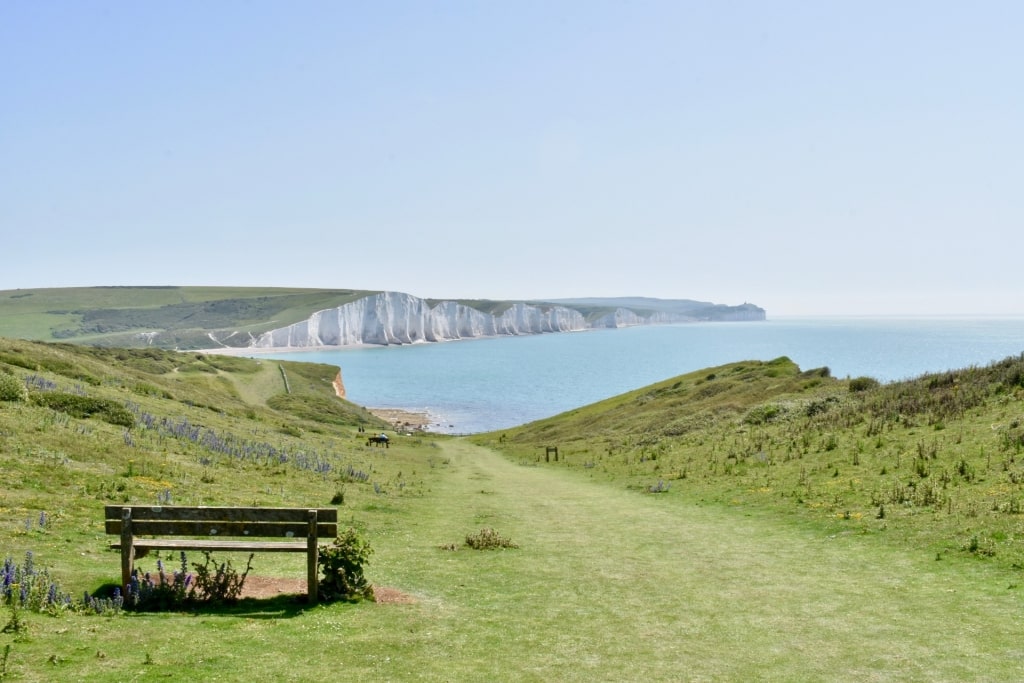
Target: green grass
[(745, 568), (933, 462), (168, 317)]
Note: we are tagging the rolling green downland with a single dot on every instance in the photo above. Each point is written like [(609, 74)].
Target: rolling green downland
[(803, 528), (191, 318), (162, 317), (177, 317)]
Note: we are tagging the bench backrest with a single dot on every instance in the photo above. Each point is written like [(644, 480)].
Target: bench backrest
[(180, 520)]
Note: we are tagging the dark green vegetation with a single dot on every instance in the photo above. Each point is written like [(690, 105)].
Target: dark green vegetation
[(933, 463), (747, 522), (342, 568)]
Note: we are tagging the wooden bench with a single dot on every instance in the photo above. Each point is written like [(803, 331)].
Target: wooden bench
[(231, 529)]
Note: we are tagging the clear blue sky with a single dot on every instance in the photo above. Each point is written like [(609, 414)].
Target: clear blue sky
[(809, 157)]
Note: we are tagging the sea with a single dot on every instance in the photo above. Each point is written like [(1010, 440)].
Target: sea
[(488, 384)]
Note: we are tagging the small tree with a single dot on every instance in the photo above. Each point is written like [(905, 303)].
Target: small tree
[(341, 565)]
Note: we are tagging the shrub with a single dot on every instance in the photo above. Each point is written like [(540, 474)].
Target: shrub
[(820, 406), (18, 360), (660, 487), (12, 388), (30, 587), (211, 584), (145, 389), (86, 406), (341, 566), (291, 430), (863, 384), (488, 539), (816, 373), (148, 593), (219, 584), (763, 414)]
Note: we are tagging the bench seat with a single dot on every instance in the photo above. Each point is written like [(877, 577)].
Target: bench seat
[(209, 544)]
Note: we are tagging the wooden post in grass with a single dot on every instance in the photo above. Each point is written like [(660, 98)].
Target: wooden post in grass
[(548, 451)]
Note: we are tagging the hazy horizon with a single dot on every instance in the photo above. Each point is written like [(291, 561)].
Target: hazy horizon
[(815, 160)]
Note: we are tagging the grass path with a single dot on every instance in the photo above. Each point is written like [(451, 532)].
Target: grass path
[(259, 386), (610, 584)]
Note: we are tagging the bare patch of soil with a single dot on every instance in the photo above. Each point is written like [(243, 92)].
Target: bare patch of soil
[(270, 587), (263, 587)]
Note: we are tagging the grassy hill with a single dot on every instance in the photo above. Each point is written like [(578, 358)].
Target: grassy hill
[(751, 521), (164, 317), (135, 425), (932, 462)]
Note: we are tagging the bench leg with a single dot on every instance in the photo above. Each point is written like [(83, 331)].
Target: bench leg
[(127, 551), (312, 560)]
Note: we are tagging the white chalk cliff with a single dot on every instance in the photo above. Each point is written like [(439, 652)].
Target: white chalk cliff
[(398, 318)]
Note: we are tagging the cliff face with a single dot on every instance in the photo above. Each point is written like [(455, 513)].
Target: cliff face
[(398, 318)]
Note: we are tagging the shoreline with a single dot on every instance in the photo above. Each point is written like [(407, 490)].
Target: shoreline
[(405, 420), (244, 350), (247, 350), (413, 421)]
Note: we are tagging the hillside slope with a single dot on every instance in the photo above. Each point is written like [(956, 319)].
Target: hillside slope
[(747, 521), (211, 317), (162, 317), (933, 462)]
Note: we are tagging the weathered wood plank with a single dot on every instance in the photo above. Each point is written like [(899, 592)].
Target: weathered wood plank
[(296, 546), (231, 514), (221, 528)]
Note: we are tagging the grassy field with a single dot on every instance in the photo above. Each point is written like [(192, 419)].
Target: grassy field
[(684, 532), (165, 317)]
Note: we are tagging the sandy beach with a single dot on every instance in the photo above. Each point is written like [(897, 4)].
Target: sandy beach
[(404, 420), (255, 351)]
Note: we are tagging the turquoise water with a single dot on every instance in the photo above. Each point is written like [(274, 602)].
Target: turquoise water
[(486, 384)]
